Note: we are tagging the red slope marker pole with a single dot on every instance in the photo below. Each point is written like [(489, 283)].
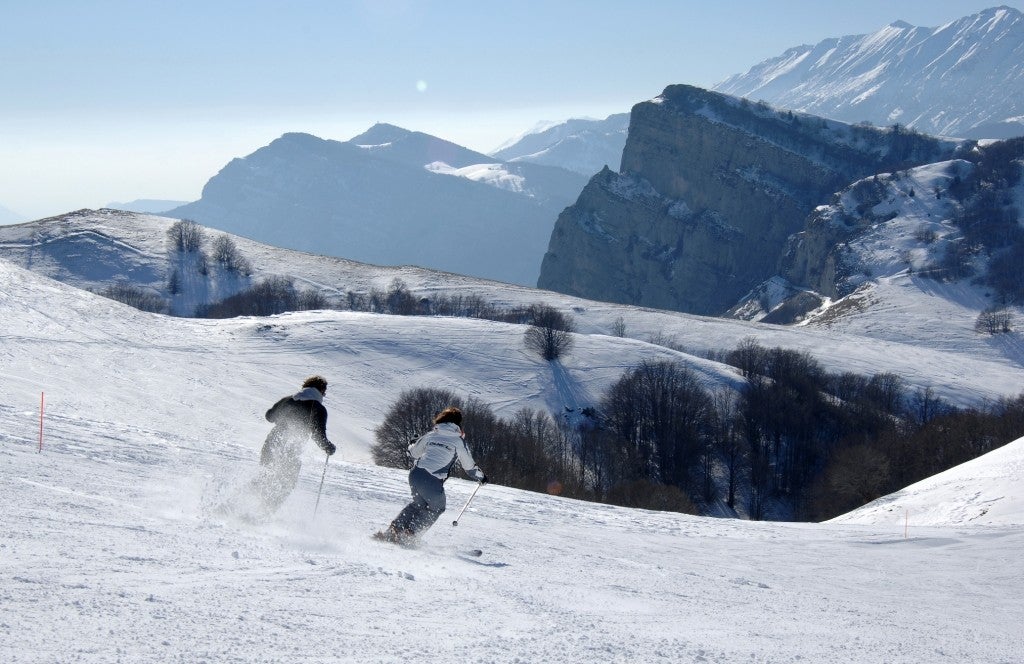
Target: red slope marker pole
[(42, 406)]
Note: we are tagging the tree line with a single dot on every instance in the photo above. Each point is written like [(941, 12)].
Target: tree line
[(795, 441)]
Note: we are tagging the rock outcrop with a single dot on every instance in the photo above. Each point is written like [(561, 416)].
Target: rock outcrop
[(710, 188)]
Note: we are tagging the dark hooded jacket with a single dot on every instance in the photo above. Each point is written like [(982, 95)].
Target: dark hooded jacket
[(296, 417)]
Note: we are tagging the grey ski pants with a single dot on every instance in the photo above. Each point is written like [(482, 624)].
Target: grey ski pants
[(428, 502)]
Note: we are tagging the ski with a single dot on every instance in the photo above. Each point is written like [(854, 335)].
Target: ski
[(412, 544)]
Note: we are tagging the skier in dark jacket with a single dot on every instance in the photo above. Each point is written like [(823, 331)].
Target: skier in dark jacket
[(435, 453), (295, 418)]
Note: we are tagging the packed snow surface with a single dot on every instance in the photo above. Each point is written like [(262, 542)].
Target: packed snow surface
[(113, 550)]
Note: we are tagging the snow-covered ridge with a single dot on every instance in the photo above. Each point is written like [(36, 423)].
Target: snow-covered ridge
[(888, 265), (580, 145), (960, 79)]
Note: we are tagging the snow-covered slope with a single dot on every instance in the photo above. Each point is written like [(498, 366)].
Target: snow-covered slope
[(961, 367), (890, 266), (959, 79), (109, 362), (112, 552), (983, 491)]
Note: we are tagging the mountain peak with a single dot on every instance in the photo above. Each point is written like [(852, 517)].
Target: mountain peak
[(380, 134)]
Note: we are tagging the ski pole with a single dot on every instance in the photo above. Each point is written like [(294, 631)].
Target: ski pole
[(322, 477), (456, 521)]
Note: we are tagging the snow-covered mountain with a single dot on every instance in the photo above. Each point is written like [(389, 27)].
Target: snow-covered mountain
[(391, 197), (112, 550), (709, 191), (581, 145), (960, 79), (544, 184)]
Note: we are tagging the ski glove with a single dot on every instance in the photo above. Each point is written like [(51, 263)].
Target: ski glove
[(330, 448), (477, 474)]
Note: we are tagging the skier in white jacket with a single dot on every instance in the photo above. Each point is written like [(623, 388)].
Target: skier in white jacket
[(435, 453)]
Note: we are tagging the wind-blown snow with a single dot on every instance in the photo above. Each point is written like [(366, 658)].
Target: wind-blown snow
[(112, 552)]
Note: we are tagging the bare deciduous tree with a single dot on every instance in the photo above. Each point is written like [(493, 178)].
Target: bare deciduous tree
[(994, 321), (226, 253), (410, 416), (550, 332), (186, 235)]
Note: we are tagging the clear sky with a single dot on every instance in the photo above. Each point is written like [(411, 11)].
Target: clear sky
[(115, 100)]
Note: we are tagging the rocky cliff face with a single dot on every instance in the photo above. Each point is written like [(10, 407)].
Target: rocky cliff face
[(709, 190)]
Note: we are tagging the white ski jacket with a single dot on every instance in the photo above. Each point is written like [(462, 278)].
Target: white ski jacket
[(437, 450)]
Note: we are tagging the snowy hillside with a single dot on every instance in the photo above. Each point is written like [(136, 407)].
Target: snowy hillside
[(959, 79), (143, 371), (983, 492), (890, 272), (112, 551), (961, 367)]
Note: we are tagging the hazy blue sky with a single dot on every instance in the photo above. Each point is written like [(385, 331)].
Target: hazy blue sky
[(116, 100)]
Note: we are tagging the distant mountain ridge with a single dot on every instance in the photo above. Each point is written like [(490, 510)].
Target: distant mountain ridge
[(391, 197), (961, 79), (579, 145)]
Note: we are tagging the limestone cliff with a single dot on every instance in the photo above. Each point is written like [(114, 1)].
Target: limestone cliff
[(709, 190)]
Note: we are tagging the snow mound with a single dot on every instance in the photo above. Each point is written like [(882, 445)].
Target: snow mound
[(985, 491)]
